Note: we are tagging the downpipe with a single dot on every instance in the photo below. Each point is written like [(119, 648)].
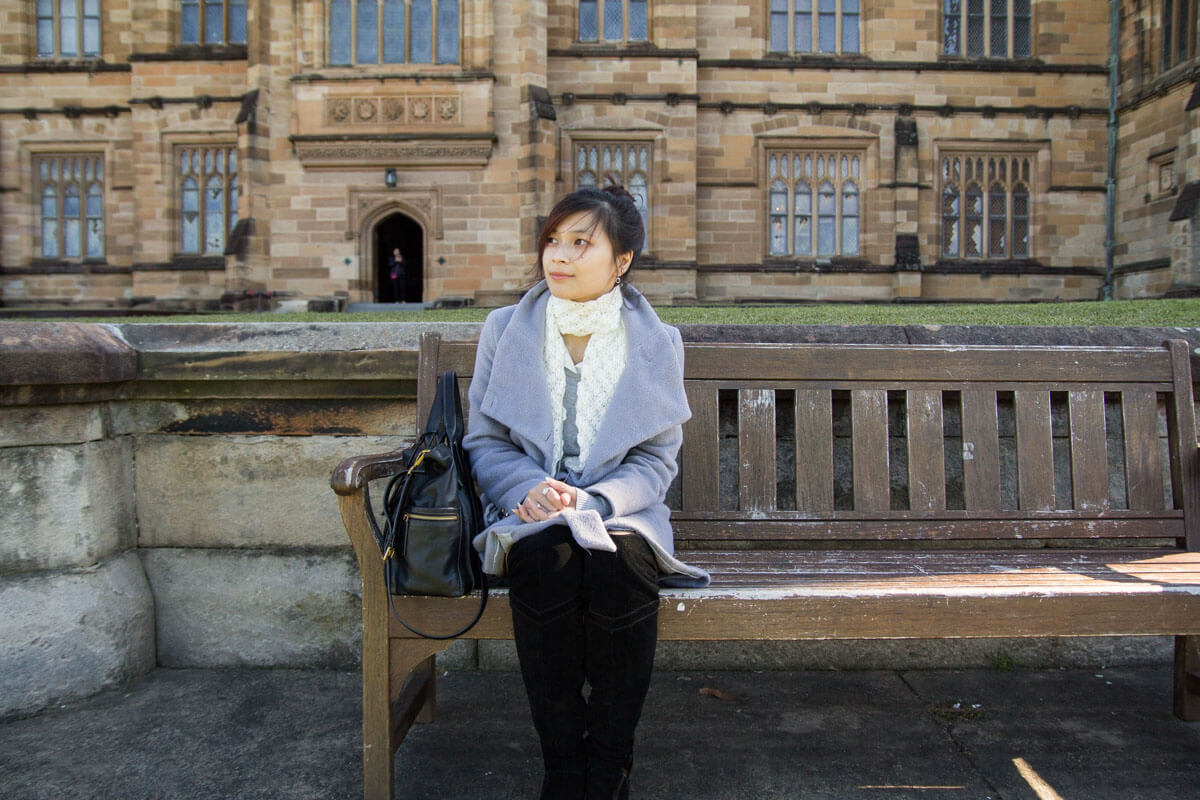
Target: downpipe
[(1110, 182)]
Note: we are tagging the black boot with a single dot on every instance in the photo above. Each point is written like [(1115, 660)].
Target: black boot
[(548, 628), (620, 660)]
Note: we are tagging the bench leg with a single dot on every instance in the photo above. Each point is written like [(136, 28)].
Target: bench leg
[(394, 697), (376, 716), (1187, 678), (413, 673)]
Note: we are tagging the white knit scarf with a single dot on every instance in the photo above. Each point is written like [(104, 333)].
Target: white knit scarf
[(602, 364)]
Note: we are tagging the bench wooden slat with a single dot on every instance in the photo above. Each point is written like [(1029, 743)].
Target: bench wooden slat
[(981, 450), (814, 450), (791, 527), (947, 594), (1185, 456), (429, 368), (756, 450), (872, 477), (938, 385), (900, 366), (699, 457), (1143, 459), (926, 451), (1089, 450), (851, 362), (872, 614), (1035, 450)]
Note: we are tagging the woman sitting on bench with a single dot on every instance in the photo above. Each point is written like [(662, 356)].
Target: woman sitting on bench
[(576, 413)]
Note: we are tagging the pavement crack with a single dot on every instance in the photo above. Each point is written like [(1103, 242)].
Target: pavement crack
[(947, 722)]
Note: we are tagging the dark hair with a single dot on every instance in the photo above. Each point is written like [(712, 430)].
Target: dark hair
[(614, 212)]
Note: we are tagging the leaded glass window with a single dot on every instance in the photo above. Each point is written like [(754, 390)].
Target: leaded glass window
[(628, 163), (208, 197), (987, 28), (393, 32), (212, 22), (68, 28), (815, 26), (986, 205), (1179, 31), (71, 206), (616, 21), (814, 200)]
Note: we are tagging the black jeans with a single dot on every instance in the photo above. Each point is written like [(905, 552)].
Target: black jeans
[(584, 616)]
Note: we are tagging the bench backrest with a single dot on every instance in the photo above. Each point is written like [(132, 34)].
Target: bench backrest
[(847, 442)]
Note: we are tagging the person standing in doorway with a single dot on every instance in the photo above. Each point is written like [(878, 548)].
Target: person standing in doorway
[(396, 275)]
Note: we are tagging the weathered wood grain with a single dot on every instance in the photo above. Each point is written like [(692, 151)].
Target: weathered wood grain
[(756, 450), (1035, 450), (872, 478), (1089, 450), (1143, 459), (926, 451), (814, 450), (981, 450), (699, 457)]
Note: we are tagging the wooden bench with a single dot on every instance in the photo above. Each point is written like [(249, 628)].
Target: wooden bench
[(937, 492)]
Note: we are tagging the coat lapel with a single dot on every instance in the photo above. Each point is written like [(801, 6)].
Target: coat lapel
[(517, 395)]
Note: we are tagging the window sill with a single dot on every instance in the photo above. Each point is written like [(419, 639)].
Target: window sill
[(621, 50), (184, 264), (822, 264), (1015, 266), (197, 52), (56, 266), (44, 64), (813, 58)]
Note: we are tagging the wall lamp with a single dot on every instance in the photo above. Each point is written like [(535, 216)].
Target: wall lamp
[(389, 178)]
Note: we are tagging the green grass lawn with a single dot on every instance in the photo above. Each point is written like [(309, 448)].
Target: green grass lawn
[(1132, 313)]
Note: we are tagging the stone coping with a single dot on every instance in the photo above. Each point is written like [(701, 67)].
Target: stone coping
[(82, 355), (64, 353)]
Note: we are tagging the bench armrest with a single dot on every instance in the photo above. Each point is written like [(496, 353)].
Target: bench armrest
[(355, 472)]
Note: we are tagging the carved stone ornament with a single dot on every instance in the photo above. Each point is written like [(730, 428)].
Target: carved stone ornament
[(339, 110), (393, 109), (366, 109), (394, 154)]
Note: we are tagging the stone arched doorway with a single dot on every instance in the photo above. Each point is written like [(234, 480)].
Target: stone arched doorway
[(405, 233)]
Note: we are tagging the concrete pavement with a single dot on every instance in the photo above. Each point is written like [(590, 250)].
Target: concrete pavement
[(1103, 734)]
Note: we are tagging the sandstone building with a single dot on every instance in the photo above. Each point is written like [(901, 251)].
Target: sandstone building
[(181, 152)]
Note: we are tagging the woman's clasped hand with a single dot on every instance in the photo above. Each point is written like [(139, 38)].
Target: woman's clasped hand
[(545, 500)]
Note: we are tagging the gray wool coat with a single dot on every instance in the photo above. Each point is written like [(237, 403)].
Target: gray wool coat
[(632, 460)]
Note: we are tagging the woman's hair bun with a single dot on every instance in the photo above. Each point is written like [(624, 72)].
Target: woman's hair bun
[(617, 191)]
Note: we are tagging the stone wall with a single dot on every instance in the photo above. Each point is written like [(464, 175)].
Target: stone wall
[(76, 611), (167, 501)]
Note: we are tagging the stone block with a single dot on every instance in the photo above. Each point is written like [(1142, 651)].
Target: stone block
[(256, 608), (65, 506), (33, 425), (68, 635), (243, 491)]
